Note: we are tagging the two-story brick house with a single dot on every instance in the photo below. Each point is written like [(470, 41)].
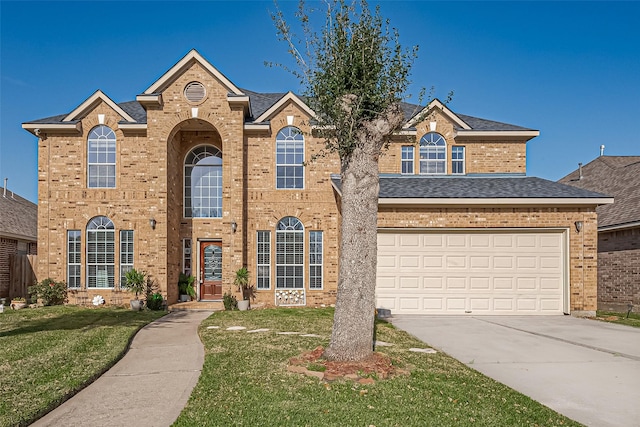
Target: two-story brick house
[(198, 175)]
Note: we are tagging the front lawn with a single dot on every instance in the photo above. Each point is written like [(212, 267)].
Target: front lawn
[(245, 381), (49, 353), (620, 318)]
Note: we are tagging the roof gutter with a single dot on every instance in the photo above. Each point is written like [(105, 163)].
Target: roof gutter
[(619, 226)]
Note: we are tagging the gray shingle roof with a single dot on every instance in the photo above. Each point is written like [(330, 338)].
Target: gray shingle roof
[(618, 176), (467, 187), (18, 217), (135, 110)]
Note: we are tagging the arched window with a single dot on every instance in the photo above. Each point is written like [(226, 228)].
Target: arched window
[(100, 253), (289, 253), (290, 158), (101, 158), (433, 154), (203, 183)]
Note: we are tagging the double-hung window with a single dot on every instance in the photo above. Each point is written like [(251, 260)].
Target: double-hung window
[(101, 157), (433, 154), (315, 260), (100, 253), (290, 158), (407, 159), (73, 258), (263, 275), (289, 254), (457, 160)]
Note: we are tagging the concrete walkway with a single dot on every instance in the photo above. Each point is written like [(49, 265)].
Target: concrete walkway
[(584, 369), (150, 385)]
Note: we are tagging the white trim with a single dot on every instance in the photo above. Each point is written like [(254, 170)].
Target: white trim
[(289, 96), (155, 99), (132, 126), (33, 127), (495, 201), (498, 133), (91, 102), (182, 65), (421, 115), (619, 226), (257, 126)]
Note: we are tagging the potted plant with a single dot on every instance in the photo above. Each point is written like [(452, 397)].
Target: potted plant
[(186, 288), (18, 303), (248, 291), (135, 281)]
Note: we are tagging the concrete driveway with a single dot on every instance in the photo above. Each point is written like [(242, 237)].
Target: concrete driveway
[(584, 369)]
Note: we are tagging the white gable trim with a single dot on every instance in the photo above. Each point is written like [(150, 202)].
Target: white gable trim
[(421, 115), (91, 102), (182, 65), (289, 96)]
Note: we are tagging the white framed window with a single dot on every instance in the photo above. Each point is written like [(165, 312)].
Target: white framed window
[(186, 256), (100, 253), (407, 159), (457, 160), (315, 260), (203, 183), (73, 258), (289, 254), (263, 267), (126, 254), (433, 154), (290, 158), (101, 158)]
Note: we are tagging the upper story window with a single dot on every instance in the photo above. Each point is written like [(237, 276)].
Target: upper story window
[(407, 159), (203, 183), (433, 154), (101, 158), (457, 160), (290, 158)]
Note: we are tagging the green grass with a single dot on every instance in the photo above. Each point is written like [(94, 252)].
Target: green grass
[(49, 353), (620, 318), (245, 382)]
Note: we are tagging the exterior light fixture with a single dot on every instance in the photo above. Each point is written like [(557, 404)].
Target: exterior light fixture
[(578, 225), (234, 226), (152, 223)]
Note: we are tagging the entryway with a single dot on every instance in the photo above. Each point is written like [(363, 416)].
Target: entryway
[(210, 271)]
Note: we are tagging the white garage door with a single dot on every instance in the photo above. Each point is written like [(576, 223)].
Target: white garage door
[(471, 272)]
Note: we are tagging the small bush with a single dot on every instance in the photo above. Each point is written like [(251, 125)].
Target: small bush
[(154, 302), (230, 302), (49, 291)]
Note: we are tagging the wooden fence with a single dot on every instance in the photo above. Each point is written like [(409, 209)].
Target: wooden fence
[(22, 274)]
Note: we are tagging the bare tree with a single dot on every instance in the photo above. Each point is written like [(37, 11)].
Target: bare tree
[(354, 74)]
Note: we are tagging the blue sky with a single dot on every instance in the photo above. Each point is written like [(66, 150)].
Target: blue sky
[(569, 69)]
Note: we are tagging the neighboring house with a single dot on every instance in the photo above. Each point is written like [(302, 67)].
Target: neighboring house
[(18, 232), (618, 227), (201, 176)]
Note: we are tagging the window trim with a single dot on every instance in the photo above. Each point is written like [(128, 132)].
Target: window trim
[(104, 226), (320, 244), (409, 161), (462, 161), (288, 139), (262, 279), (75, 253), (111, 144), (127, 237), (186, 177), (433, 144), (296, 228)]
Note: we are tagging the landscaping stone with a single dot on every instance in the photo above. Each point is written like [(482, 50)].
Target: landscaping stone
[(236, 328), (257, 330), (423, 350)]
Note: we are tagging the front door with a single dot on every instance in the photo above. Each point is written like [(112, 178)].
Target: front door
[(210, 270)]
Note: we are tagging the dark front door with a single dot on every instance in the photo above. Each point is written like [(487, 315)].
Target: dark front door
[(210, 270)]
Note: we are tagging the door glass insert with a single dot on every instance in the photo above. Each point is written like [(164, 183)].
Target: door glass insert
[(212, 263)]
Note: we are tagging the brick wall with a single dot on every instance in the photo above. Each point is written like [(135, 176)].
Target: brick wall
[(619, 269)]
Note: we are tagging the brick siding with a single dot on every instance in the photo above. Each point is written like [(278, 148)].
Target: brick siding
[(619, 269)]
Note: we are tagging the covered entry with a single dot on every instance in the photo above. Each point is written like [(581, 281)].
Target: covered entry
[(472, 272)]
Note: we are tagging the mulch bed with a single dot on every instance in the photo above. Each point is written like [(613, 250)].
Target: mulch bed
[(378, 366)]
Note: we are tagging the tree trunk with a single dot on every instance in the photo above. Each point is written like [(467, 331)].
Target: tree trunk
[(352, 336)]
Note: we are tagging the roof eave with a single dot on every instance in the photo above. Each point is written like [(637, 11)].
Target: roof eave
[(151, 100), (38, 129), (532, 201), (615, 227), (496, 134)]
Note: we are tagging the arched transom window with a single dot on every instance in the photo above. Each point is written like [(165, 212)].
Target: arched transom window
[(289, 253), (203, 183), (290, 158), (100, 253), (101, 158), (433, 154)]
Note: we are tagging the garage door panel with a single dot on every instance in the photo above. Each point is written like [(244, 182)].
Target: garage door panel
[(476, 272)]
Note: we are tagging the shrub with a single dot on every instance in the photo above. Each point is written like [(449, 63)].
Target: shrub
[(49, 291), (154, 301), (230, 302)]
